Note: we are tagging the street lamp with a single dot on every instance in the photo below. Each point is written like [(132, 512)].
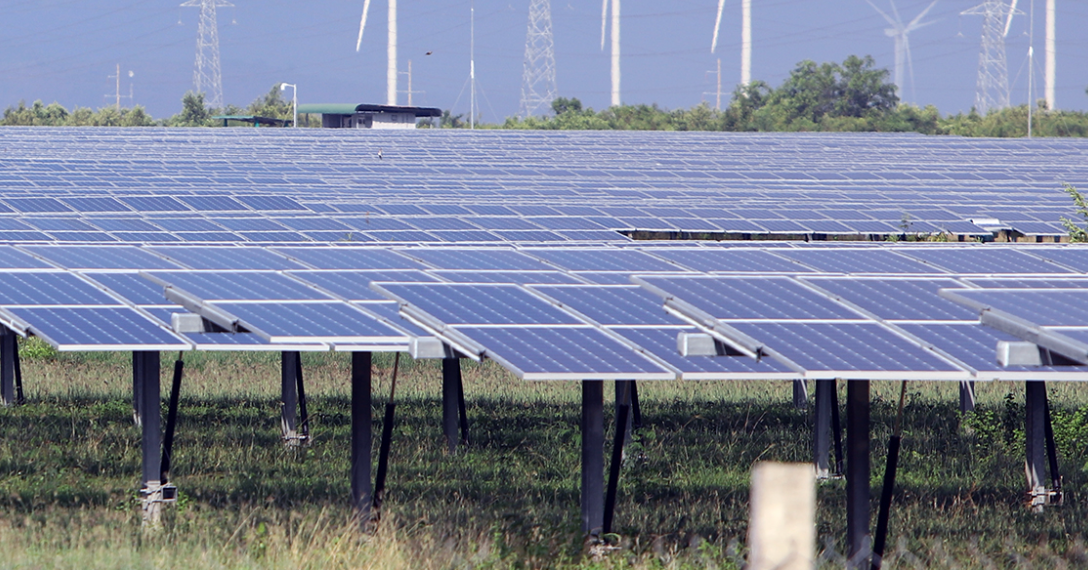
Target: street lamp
[(294, 100)]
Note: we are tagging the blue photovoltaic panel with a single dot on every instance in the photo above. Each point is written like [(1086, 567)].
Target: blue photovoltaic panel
[(856, 260), (256, 286), (36, 205), (603, 260), (11, 258), (154, 204), (96, 205), (97, 257), (235, 258), (770, 298), (60, 224), (477, 259), (899, 299), (247, 224), (50, 289), (563, 353), (391, 312), (1072, 256), (114, 328), (458, 304), (662, 343), (123, 225), (189, 224), (1043, 307), (624, 305), (974, 345), (271, 203), (982, 260), (310, 223), (132, 287), (522, 277), (355, 285), (726, 260), (1022, 283), (212, 203), (293, 322), (348, 258), (843, 347)]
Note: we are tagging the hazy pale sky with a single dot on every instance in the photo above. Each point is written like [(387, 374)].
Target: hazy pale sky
[(65, 50)]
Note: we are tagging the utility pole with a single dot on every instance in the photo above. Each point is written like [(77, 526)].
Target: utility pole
[(472, 67), (206, 76), (410, 91), (538, 87), (116, 95), (718, 92)]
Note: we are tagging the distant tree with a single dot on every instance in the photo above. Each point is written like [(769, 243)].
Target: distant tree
[(271, 104), (450, 121), (194, 113), (562, 105)]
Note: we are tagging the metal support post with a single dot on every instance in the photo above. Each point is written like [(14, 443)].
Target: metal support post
[(622, 433), (624, 388), (19, 397), (8, 346), (361, 438), (967, 396), (636, 409), (1035, 448), (303, 414), (171, 420), (451, 381), (462, 411), (857, 471), (150, 400), (137, 387), (800, 394), (822, 429), (289, 397), (836, 428), (592, 456)]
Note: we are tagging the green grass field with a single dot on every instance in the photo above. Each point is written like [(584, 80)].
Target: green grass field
[(69, 471)]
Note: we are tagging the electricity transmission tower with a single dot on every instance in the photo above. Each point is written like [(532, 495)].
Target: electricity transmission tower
[(538, 88), (206, 76), (992, 91)]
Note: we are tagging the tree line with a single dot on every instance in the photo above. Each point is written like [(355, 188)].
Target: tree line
[(854, 96)]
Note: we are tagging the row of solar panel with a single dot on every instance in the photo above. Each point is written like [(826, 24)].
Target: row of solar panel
[(645, 257)]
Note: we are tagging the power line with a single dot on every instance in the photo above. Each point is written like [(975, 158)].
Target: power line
[(207, 78)]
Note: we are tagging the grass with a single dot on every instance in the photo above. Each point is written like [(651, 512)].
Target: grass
[(69, 465)]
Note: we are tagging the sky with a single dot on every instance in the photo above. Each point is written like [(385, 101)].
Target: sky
[(66, 50)]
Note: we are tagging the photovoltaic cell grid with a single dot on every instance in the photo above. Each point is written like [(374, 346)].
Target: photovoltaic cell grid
[(162, 186)]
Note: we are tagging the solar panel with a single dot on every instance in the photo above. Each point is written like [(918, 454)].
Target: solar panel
[(480, 304), (856, 261), (622, 305), (730, 260), (50, 289), (348, 258), (249, 286), (476, 259), (1044, 307), (750, 299), (91, 329), (603, 260), (662, 343), (988, 261), (312, 322), (355, 285), (898, 299), (94, 257), (234, 258)]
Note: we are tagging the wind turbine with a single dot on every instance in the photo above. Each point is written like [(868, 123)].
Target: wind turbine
[(900, 32), (391, 68), (615, 45), (745, 38)]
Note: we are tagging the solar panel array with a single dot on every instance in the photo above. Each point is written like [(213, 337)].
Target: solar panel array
[(277, 186), (548, 312)]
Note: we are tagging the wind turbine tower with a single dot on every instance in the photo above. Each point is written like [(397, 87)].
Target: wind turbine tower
[(206, 76), (745, 38), (615, 45), (901, 33), (992, 90), (538, 88), (391, 74)]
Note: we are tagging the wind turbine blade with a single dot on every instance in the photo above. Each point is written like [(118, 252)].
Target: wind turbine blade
[(1008, 22), (919, 17), (895, 12), (604, 20), (886, 16), (362, 24), (910, 66), (717, 26)]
